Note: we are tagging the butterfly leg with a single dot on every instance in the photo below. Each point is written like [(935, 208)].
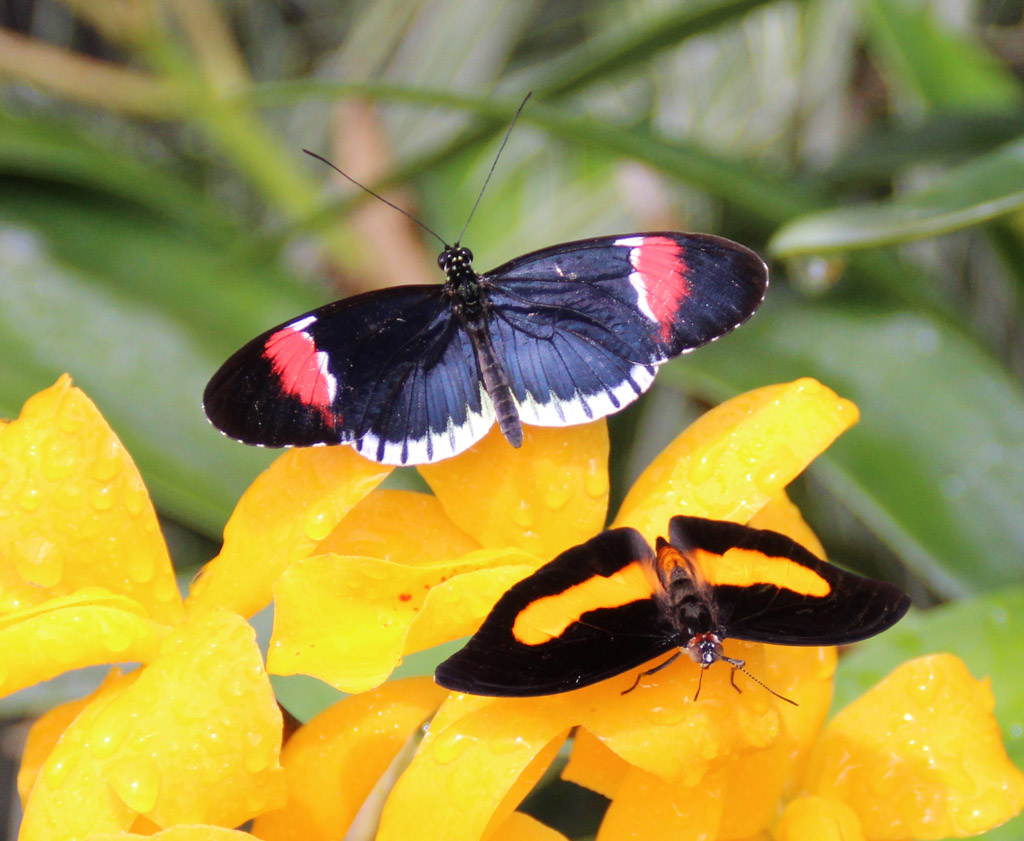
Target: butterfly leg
[(657, 668)]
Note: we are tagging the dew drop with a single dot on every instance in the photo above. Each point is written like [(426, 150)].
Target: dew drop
[(449, 746), (55, 772), (701, 469), (522, 515), (556, 495), (318, 524), (108, 462), (109, 732), (38, 561), (72, 414), (101, 498), (511, 744), (595, 480), (135, 782), (30, 498), (141, 568)]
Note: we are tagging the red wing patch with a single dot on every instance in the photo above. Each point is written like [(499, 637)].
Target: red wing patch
[(659, 278), (302, 370)]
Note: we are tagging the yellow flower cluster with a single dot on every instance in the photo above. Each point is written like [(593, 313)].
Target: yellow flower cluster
[(189, 745)]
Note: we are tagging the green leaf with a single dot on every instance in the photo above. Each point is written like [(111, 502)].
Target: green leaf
[(617, 50), (947, 138), (54, 151), (939, 68), (934, 465), (988, 187)]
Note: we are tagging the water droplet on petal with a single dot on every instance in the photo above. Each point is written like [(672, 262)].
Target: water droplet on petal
[(55, 772), (450, 745), (595, 480), (135, 781), (30, 498), (109, 731), (101, 497), (318, 524)]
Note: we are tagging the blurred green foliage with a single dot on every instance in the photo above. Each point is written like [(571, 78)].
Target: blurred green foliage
[(156, 211)]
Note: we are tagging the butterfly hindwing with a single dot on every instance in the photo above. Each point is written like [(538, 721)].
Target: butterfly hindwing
[(768, 588), (391, 371), (580, 327), (583, 617)]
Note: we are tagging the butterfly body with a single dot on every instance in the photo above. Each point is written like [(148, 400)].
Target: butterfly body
[(561, 336), (612, 604)]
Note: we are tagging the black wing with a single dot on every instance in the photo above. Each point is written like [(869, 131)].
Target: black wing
[(391, 372), (775, 591), (581, 327), (586, 616)]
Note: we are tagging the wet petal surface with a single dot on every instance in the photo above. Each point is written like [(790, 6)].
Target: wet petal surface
[(920, 756), (74, 511), (290, 508), (548, 495)]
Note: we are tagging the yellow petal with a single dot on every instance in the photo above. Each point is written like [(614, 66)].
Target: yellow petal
[(400, 526), (292, 506), (196, 739), (759, 779), (522, 827), (736, 457), (919, 756), (69, 799), (646, 806), (345, 620), (594, 766), (457, 607), (658, 727), (47, 730), (187, 832), (333, 762), (548, 495), (818, 819), (469, 775), (73, 509), (87, 628)]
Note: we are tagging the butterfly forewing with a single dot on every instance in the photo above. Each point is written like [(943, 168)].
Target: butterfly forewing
[(768, 588), (583, 617), (580, 327), (391, 371)]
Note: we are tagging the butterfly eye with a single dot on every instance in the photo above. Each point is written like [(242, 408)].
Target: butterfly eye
[(442, 259), (465, 255)]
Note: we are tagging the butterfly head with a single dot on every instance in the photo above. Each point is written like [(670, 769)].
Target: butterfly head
[(455, 259), (705, 649)]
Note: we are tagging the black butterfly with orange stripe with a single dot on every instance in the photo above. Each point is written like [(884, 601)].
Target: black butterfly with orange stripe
[(612, 604)]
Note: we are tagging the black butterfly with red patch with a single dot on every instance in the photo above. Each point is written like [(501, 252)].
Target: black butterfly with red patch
[(415, 374), (612, 604)]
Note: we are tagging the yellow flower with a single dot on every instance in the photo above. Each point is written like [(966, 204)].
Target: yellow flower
[(192, 737), (406, 571), (189, 745)]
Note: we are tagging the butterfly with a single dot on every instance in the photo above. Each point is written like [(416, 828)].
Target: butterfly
[(560, 336), (612, 604)]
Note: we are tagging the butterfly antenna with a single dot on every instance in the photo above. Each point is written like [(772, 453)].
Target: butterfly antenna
[(487, 180), (740, 668), (378, 195)]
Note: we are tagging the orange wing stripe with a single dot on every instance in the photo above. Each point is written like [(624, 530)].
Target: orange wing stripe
[(745, 567), (549, 617)]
